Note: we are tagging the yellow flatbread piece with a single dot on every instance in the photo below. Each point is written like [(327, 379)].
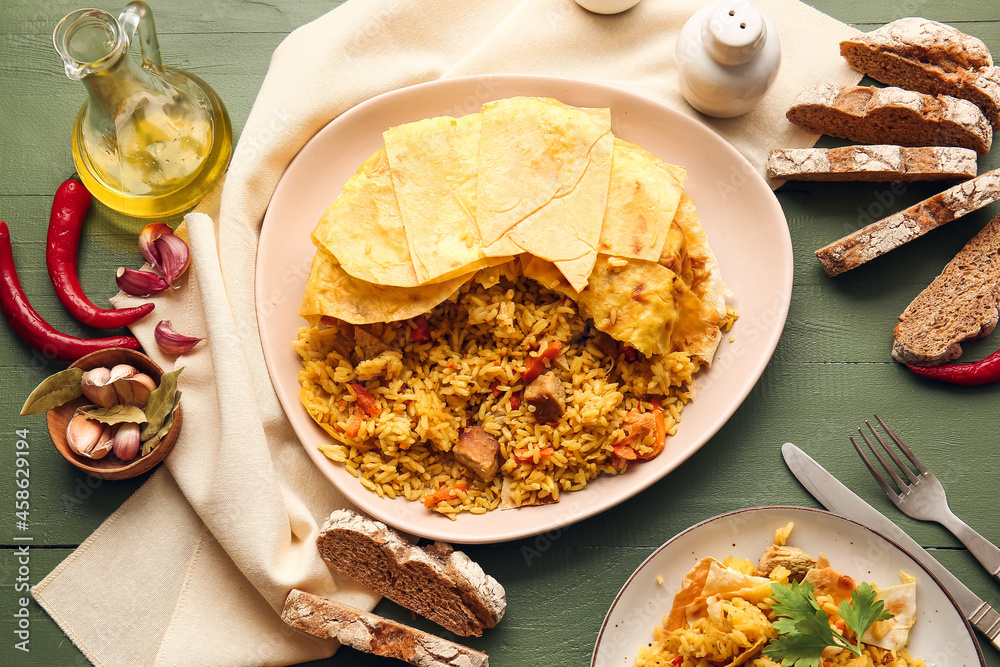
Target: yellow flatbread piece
[(642, 201), (591, 216), (674, 255), (633, 302), (544, 173), (646, 305), (434, 165), (363, 228), (706, 277), (696, 329), (332, 292), (547, 275)]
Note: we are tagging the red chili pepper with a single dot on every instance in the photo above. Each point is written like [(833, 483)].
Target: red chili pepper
[(365, 400), (975, 373), (421, 330), (69, 208), (30, 326)]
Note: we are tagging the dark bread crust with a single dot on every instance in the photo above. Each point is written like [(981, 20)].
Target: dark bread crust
[(893, 231), (962, 303), (436, 581), (929, 57), (373, 634), (872, 115)]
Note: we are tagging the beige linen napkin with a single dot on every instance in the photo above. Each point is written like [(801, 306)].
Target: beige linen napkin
[(193, 568)]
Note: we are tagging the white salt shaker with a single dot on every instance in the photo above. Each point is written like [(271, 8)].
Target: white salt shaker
[(727, 56), (607, 6)]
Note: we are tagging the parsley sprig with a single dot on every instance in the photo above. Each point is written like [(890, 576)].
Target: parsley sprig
[(805, 628)]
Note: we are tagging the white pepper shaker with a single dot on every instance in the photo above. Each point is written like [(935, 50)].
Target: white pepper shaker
[(607, 6), (727, 56)]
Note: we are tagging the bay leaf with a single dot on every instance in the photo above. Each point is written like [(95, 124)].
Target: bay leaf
[(149, 446), (53, 391), (161, 404), (117, 414)]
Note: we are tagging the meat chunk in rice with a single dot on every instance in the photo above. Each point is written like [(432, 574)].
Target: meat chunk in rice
[(478, 451), (793, 559), (547, 396), (368, 346)]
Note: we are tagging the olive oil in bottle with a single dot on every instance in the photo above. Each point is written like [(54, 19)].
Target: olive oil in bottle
[(150, 141)]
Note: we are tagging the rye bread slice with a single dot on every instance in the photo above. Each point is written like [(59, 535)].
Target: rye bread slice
[(893, 231), (870, 115), (880, 162), (929, 57), (374, 634), (435, 581), (925, 41), (963, 303)]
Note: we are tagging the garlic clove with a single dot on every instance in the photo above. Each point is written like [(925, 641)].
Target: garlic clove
[(147, 239), (175, 256), (120, 371), (171, 342), (126, 441), (121, 381), (95, 384), (87, 437), (142, 386), (139, 283)]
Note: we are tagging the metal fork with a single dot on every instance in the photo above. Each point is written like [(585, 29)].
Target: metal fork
[(923, 497)]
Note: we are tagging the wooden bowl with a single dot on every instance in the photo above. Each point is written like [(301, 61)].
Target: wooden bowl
[(110, 467)]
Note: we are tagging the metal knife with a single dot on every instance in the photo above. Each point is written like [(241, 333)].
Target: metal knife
[(838, 498)]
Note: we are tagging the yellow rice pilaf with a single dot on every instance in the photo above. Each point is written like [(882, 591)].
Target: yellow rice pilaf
[(469, 373)]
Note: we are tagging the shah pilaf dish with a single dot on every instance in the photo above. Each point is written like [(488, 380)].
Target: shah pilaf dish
[(788, 608), (505, 306)]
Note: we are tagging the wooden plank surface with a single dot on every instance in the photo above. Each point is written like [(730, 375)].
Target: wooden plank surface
[(831, 370)]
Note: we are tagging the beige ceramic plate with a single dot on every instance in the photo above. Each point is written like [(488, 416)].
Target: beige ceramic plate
[(852, 548), (741, 216)]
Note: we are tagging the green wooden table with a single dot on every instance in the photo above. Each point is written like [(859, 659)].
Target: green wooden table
[(831, 370)]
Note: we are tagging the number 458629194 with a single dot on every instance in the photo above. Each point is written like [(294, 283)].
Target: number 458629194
[(21, 479)]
